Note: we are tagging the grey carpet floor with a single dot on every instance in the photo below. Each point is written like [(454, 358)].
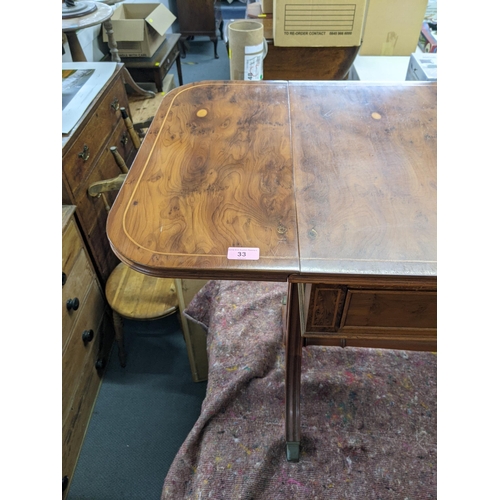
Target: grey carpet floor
[(142, 415), (144, 411)]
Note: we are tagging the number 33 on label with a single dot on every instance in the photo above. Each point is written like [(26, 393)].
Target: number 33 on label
[(238, 253)]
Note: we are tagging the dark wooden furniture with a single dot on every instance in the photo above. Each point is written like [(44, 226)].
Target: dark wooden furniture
[(333, 182), (86, 159), (84, 327), (154, 69), (199, 18), (305, 63)]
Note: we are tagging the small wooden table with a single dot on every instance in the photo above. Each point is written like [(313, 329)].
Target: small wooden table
[(154, 68), (330, 186)]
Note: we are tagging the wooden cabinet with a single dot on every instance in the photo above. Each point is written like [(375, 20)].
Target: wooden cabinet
[(199, 18), (84, 323), (86, 158)]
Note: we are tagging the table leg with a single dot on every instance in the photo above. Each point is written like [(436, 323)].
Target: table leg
[(75, 48), (158, 80), (182, 46), (215, 39), (178, 64), (293, 364), (115, 57)]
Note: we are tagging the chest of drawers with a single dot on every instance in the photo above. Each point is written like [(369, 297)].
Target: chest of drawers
[(86, 158), (84, 323)]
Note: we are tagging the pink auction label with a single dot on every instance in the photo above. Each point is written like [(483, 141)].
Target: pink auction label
[(239, 253)]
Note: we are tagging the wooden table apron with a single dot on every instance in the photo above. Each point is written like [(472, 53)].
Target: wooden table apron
[(334, 182)]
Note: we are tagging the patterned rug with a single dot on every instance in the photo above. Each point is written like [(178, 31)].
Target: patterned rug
[(368, 415)]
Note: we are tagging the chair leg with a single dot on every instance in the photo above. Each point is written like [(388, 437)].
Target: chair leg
[(215, 40), (118, 324)]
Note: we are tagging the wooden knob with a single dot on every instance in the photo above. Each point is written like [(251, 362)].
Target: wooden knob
[(72, 304)]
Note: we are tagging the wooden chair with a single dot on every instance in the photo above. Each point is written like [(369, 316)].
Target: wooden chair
[(131, 294), (136, 296)]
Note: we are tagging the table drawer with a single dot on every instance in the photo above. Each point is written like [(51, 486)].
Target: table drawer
[(324, 307), (81, 156), (76, 287), (389, 309), (347, 312)]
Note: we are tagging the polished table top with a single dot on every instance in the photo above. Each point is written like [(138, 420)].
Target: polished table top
[(323, 178)]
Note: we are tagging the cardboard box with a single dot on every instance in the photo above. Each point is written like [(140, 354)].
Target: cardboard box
[(318, 23), (392, 27), (139, 28)]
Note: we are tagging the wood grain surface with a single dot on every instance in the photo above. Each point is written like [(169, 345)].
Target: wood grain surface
[(214, 171), (365, 177), (341, 173)]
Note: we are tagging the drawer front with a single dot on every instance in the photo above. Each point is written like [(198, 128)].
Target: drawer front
[(80, 158), (77, 287), (390, 317), (325, 308), (71, 246), (92, 212), (89, 208), (78, 354), (395, 309), (74, 425)]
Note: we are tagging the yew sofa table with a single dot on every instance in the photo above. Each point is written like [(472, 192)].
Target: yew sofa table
[(330, 186)]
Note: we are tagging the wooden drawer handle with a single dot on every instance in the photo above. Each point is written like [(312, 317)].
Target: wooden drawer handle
[(72, 304), (85, 154), (87, 336), (115, 104)]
